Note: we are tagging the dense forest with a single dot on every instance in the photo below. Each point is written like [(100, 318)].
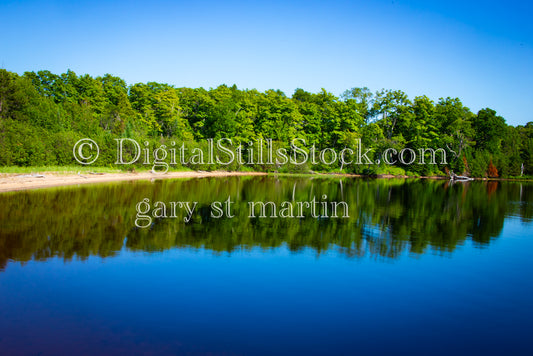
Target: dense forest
[(42, 116)]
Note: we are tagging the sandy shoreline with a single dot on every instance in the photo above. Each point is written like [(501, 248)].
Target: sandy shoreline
[(14, 182)]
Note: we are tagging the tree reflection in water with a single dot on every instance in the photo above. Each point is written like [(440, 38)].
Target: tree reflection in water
[(387, 216)]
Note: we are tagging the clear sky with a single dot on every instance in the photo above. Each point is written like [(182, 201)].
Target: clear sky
[(479, 51)]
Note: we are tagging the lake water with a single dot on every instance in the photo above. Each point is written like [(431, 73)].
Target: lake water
[(419, 267)]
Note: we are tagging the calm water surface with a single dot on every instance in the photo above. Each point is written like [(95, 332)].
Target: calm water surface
[(419, 267)]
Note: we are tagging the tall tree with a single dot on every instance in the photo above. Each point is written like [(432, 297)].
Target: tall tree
[(489, 129)]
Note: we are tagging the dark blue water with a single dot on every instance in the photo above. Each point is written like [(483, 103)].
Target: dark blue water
[(474, 299)]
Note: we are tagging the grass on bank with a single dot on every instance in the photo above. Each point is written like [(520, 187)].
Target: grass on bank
[(81, 169), (57, 169), (73, 169)]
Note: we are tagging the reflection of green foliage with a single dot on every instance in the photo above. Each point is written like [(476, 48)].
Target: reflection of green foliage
[(386, 216)]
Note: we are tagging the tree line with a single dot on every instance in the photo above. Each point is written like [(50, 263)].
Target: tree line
[(43, 114)]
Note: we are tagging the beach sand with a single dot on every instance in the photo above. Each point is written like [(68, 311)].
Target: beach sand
[(14, 182)]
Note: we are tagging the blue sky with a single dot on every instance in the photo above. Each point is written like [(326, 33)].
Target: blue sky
[(479, 51)]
